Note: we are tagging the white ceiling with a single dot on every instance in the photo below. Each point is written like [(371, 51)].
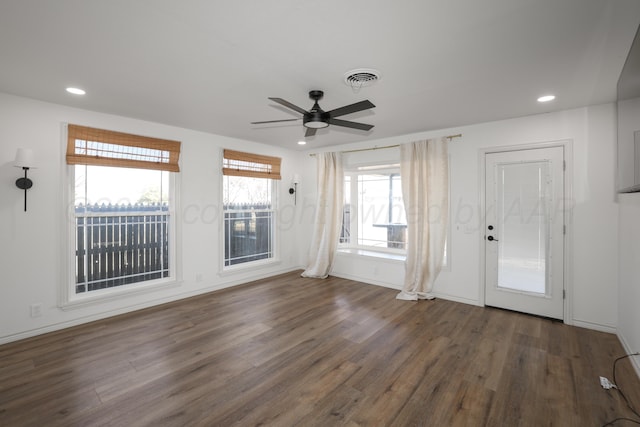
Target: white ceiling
[(210, 65)]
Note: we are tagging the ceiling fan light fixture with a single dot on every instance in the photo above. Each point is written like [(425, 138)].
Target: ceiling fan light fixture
[(316, 118), (316, 124)]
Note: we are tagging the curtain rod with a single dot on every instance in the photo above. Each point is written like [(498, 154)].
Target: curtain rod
[(449, 137)]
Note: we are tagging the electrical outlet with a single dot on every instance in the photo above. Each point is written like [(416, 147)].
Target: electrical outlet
[(36, 310), (198, 277)]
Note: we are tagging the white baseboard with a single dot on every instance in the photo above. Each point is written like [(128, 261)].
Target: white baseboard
[(367, 281), (398, 288), (455, 298), (595, 326), (635, 360)]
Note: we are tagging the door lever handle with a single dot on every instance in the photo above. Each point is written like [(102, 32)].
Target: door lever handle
[(491, 239)]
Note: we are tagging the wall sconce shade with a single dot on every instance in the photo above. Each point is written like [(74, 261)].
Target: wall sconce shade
[(25, 159)]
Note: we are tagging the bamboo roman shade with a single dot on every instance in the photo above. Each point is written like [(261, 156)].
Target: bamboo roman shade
[(91, 146), (251, 165)]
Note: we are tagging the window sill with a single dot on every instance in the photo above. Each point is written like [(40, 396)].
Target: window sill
[(248, 266), (111, 294), (372, 254), (368, 253)]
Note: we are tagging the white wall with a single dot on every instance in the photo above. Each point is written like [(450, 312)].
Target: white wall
[(593, 271), (31, 256), (33, 242), (629, 291), (628, 155), (629, 232)]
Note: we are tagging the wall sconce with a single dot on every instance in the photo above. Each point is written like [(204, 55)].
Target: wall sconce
[(294, 190), (25, 160)]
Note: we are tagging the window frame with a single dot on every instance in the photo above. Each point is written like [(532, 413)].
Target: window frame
[(68, 298), (372, 162), (274, 177), (353, 173)]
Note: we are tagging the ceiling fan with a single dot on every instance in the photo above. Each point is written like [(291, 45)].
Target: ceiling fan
[(316, 118)]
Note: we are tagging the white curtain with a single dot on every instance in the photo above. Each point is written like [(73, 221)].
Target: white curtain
[(424, 171), (328, 218)]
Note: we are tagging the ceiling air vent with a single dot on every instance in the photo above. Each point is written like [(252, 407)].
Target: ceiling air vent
[(361, 77)]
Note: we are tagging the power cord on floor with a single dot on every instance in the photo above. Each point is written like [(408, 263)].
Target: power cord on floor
[(613, 385)]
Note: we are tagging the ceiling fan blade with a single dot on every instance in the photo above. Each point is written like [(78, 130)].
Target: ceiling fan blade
[(348, 124), (289, 105), (348, 109), (274, 121), (310, 132)]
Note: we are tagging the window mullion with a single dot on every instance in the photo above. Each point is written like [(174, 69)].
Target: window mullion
[(355, 211)]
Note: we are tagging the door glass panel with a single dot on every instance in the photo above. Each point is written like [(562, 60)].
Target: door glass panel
[(522, 232)]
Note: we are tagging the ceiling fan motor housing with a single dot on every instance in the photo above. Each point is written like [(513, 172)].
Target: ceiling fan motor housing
[(316, 118)]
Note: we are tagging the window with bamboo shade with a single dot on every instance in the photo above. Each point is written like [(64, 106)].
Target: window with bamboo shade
[(91, 146), (250, 165), (249, 200), (122, 235)]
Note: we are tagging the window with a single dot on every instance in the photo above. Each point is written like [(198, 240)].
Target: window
[(374, 215), (374, 218), (249, 183), (122, 227)]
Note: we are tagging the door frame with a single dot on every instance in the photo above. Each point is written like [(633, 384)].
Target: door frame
[(567, 146)]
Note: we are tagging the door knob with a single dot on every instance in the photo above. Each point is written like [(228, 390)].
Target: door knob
[(490, 238)]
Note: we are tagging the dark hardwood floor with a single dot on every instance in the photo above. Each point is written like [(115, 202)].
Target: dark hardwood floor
[(290, 351)]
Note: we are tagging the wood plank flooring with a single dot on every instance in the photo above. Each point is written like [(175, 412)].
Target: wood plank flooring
[(288, 351)]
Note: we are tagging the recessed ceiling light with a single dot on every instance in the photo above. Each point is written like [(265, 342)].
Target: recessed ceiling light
[(76, 91), (302, 142), (546, 98)]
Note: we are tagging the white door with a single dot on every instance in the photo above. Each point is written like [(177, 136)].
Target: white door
[(524, 231)]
